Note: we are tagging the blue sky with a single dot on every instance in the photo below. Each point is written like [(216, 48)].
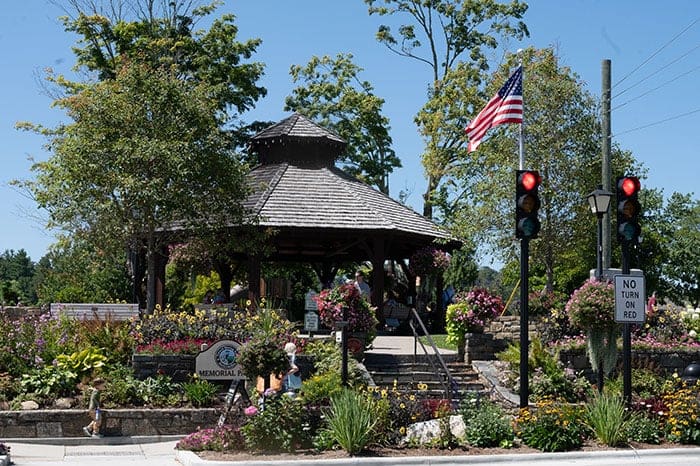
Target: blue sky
[(665, 35)]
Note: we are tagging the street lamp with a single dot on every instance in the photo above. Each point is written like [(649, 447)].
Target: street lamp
[(599, 201)]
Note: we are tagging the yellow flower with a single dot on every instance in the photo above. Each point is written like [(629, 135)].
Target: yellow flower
[(402, 430)]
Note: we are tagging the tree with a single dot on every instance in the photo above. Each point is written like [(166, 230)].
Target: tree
[(160, 34), (16, 273), (144, 152), (561, 141), (667, 254), (75, 271), (439, 34), (121, 37), (682, 269), (333, 94)]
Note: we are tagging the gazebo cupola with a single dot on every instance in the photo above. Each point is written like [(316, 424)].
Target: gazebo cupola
[(298, 141)]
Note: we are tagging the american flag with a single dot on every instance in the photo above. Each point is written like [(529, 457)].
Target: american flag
[(504, 107)]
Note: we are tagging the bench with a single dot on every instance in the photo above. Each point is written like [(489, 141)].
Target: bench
[(114, 311)]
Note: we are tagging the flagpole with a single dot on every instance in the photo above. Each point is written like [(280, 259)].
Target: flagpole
[(521, 145)]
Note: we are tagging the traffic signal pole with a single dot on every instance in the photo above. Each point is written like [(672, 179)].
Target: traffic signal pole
[(524, 326), (527, 203), (626, 336)]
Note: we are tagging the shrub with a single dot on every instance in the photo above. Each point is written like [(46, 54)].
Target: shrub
[(470, 312), (121, 389), (608, 419), (200, 392), (551, 427), (351, 420), (397, 410), (683, 419), (485, 424), (225, 438), (83, 363), (643, 429), (158, 391), (105, 332), (9, 386), (328, 358), (320, 388), (49, 382), (542, 303), (279, 426), (549, 378)]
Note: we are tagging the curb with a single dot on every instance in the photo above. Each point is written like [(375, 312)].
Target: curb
[(77, 441), (188, 458)]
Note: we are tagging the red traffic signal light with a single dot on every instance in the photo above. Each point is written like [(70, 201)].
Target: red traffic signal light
[(629, 185), (628, 209), (527, 203)]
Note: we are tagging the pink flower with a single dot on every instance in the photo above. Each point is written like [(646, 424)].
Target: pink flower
[(250, 411)]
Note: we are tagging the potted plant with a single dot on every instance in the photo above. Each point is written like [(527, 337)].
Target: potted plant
[(345, 302), (470, 313), (591, 308)]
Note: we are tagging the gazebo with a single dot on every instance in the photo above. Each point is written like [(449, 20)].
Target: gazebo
[(322, 216)]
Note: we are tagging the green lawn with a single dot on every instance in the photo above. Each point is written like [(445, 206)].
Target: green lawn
[(440, 342)]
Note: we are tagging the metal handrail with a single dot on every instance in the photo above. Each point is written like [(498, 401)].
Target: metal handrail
[(452, 391)]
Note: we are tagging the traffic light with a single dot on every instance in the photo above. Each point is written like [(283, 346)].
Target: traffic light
[(628, 209), (527, 203)]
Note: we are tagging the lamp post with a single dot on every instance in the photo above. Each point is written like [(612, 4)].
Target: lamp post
[(599, 201)]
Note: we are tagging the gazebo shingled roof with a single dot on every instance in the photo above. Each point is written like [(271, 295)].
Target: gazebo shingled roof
[(297, 188)]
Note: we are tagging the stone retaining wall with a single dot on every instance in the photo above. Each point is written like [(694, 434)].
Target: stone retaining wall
[(117, 422), (506, 329)]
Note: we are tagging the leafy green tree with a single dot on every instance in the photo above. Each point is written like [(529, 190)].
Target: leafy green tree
[(332, 93), (462, 272), (162, 35), (75, 271), (144, 152), (561, 140), (440, 33), (142, 49), (680, 270), (16, 274)]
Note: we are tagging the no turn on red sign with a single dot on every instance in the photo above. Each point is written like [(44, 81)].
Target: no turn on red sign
[(630, 300)]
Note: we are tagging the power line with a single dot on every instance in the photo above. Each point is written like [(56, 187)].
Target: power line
[(658, 122), (673, 39), (657, 71), (657, 87)]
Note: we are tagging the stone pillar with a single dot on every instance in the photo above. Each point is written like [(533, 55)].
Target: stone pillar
[(478, 347)]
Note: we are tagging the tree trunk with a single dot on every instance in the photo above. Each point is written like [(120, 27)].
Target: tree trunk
[(427, 197), (151, 275)]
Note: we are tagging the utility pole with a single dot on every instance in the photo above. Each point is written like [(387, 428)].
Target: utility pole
[(605, 153)]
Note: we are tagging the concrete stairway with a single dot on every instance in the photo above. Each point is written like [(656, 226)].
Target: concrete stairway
[(420, 377)]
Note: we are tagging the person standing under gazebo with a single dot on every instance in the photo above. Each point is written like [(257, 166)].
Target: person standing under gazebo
[(362, 285)]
